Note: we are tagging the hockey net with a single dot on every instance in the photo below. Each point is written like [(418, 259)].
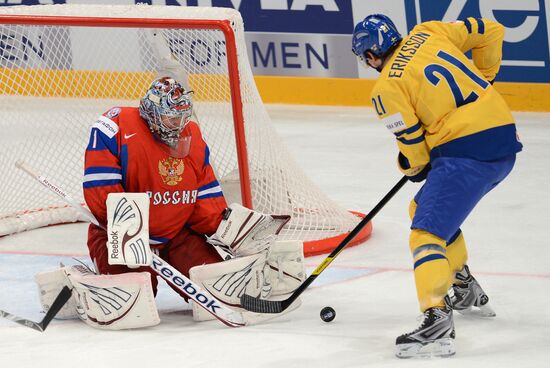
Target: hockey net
[(61, 66)]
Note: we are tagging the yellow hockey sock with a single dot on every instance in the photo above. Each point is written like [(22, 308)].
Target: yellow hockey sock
[(456, 252), (432, 271)]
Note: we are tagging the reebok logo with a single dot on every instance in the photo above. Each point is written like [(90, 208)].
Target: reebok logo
[(128, 136), (114, 245), (186, 286)]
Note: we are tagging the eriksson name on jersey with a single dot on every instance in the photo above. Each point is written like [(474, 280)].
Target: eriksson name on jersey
[(406, 53)]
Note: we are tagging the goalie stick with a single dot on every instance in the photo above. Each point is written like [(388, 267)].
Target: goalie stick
[(203, 298), (258, 305), (41, 326)]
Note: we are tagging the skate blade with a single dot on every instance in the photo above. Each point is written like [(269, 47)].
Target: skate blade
[(483, 311), (441, 348)]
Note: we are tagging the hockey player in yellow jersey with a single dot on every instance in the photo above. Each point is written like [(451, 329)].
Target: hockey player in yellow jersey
[(454, 131)]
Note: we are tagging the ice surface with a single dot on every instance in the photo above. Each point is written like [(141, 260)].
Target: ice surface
[(352, 158)]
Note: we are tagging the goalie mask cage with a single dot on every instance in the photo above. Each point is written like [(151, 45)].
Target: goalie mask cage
[(61, 66)]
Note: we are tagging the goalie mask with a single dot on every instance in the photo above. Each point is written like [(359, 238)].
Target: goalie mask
[(167, 107)]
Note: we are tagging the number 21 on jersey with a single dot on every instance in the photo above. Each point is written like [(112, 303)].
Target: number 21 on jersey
[(433, 71)]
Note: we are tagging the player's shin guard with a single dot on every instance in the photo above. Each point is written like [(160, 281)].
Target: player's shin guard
[(431, 269)]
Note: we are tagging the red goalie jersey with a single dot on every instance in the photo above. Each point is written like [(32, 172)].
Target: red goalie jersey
[(123, 156)]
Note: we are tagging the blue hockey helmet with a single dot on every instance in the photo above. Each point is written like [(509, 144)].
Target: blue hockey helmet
[(377, 34)]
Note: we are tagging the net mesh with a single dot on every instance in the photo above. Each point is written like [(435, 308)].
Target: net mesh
[(56, 80)]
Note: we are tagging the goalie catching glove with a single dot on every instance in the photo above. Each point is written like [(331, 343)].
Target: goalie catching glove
[(128, 229), (243, 232)]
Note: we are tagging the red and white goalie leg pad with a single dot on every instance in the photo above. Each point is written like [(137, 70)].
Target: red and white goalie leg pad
[(244, 232), (128, 229), (286, 263), (269, 274), (228, 280), (114, 302), (109, 302)]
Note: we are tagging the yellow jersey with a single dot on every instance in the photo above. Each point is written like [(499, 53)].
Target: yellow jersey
[(437, 103)]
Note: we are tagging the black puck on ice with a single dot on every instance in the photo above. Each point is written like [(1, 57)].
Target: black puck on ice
[(328, 314)]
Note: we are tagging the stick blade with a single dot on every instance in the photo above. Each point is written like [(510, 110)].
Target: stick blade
[(22, 321), (258, 305), (56, 306)]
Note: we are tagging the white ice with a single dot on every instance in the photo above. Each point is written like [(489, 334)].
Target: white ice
[(371, 287)]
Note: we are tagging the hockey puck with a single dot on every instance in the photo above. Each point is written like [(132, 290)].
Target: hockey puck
[(328, 314)]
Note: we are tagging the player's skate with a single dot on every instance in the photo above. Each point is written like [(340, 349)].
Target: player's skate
[(434, 337), (467, 293)]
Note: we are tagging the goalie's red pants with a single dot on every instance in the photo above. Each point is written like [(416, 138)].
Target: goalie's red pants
[(184, 251)]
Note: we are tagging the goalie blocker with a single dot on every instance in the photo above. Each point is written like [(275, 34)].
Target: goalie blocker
[(128, 229)]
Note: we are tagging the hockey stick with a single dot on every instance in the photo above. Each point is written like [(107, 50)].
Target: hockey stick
[(258, 305), (56, 306)]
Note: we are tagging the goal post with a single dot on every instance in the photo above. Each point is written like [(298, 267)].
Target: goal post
[(61, 66)]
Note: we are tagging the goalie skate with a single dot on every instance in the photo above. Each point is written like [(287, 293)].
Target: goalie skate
[(434, 337), (466, 294)]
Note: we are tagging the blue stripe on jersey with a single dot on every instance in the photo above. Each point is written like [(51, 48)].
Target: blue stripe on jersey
[(468, 25), (210, 190), (480, 26), (206, 156), (212, 184), (98, 176), (158, 240), (102, 170), (431, 257), (100, 183), (99, 141), (487, 145), (211, 195), (411, 141), (124, 163), (409, 130)]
